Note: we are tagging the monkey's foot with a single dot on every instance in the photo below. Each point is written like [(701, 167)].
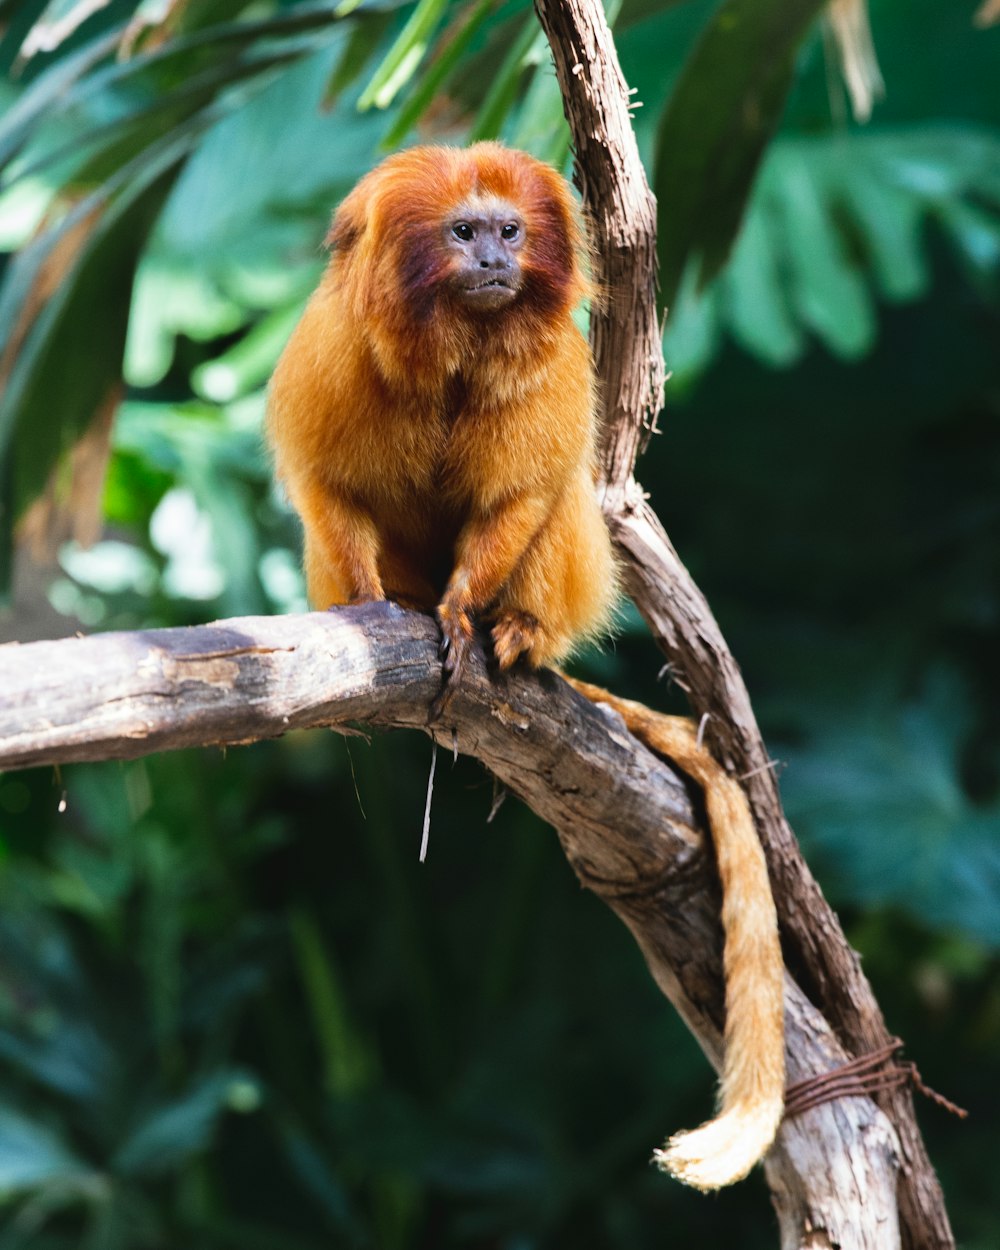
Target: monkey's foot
[(369, 595), (516, 634), (456, 639)]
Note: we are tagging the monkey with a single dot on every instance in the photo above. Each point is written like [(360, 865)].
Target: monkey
[(433, 421)]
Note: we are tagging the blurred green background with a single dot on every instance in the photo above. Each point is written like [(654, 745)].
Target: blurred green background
[(234, 1009)]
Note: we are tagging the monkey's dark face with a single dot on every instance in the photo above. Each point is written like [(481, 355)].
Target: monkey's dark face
[(482, 239)]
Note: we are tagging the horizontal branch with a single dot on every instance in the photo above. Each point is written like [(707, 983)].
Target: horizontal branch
[(624, 817), (122, 695)]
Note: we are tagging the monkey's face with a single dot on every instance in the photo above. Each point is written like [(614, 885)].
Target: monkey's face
[(436, 238), (482, 238)]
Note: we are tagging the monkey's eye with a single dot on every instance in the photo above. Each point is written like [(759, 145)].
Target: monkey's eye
[(462, 230), (510, 231)]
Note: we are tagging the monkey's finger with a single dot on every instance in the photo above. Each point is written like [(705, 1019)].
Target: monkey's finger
[(454, 650), (454, 661), (454, 667), (440, 705)]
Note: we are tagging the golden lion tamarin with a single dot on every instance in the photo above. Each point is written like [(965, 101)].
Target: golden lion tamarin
[(433, 420)]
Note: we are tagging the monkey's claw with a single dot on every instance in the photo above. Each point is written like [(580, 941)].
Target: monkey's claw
[(454, 666), (456, 639)]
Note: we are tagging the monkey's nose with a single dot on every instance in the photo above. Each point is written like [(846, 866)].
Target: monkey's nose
[(494, 260)]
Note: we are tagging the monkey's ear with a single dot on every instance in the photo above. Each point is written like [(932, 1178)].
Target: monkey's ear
[(344, 232), (348, 223)]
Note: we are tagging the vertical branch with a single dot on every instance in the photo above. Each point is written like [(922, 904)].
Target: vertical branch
[(621, 211), (628, 357)]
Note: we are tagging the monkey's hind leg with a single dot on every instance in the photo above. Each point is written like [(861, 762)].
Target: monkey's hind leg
[(341, 546)]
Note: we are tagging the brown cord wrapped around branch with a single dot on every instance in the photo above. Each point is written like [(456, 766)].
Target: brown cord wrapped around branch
[(861, 1077)]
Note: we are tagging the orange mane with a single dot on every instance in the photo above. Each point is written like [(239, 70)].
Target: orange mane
[(389, 267)]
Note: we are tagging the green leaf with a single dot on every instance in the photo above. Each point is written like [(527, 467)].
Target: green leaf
[(431, 83), (235, 540), (723, 111), (525, 49), (183, 1127), (58, 21), (288, 175), (72, 358), (366, 35), (976, 234), (403, 57), (214, 50), (38, 100), (347, 1069), (215, 458), (33, 1155), (826, 287), (167, 301), (889, 224), (97, 151), (693, 330), (754, 301), (879, 800), (311, 1166), (72, 1060), (541, 122), (248, 364)]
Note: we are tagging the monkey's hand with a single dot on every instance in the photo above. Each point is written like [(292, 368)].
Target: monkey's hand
[(516, 634), (488, 549), (456, 639)]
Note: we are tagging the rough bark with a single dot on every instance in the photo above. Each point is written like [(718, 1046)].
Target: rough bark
[(628, 357), (623, 816)]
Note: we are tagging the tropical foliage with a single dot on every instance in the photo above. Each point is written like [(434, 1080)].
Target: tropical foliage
[(234, 1010)]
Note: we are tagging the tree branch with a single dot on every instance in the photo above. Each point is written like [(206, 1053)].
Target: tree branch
[(628, 359), (623, 816)]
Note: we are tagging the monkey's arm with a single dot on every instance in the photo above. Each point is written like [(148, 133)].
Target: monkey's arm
[(488, 550), (534, 551)]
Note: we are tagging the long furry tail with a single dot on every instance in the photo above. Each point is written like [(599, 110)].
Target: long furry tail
[(723, 1150)]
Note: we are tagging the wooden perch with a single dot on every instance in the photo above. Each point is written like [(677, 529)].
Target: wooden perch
[(623, 816)]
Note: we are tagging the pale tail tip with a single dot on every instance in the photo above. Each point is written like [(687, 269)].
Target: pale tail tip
[(722, 1151)]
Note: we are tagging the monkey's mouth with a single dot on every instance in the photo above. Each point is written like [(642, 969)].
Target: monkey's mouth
[(492, 292)]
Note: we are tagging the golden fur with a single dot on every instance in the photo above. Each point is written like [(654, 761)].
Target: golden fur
[(439, 458), (443, 457)]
